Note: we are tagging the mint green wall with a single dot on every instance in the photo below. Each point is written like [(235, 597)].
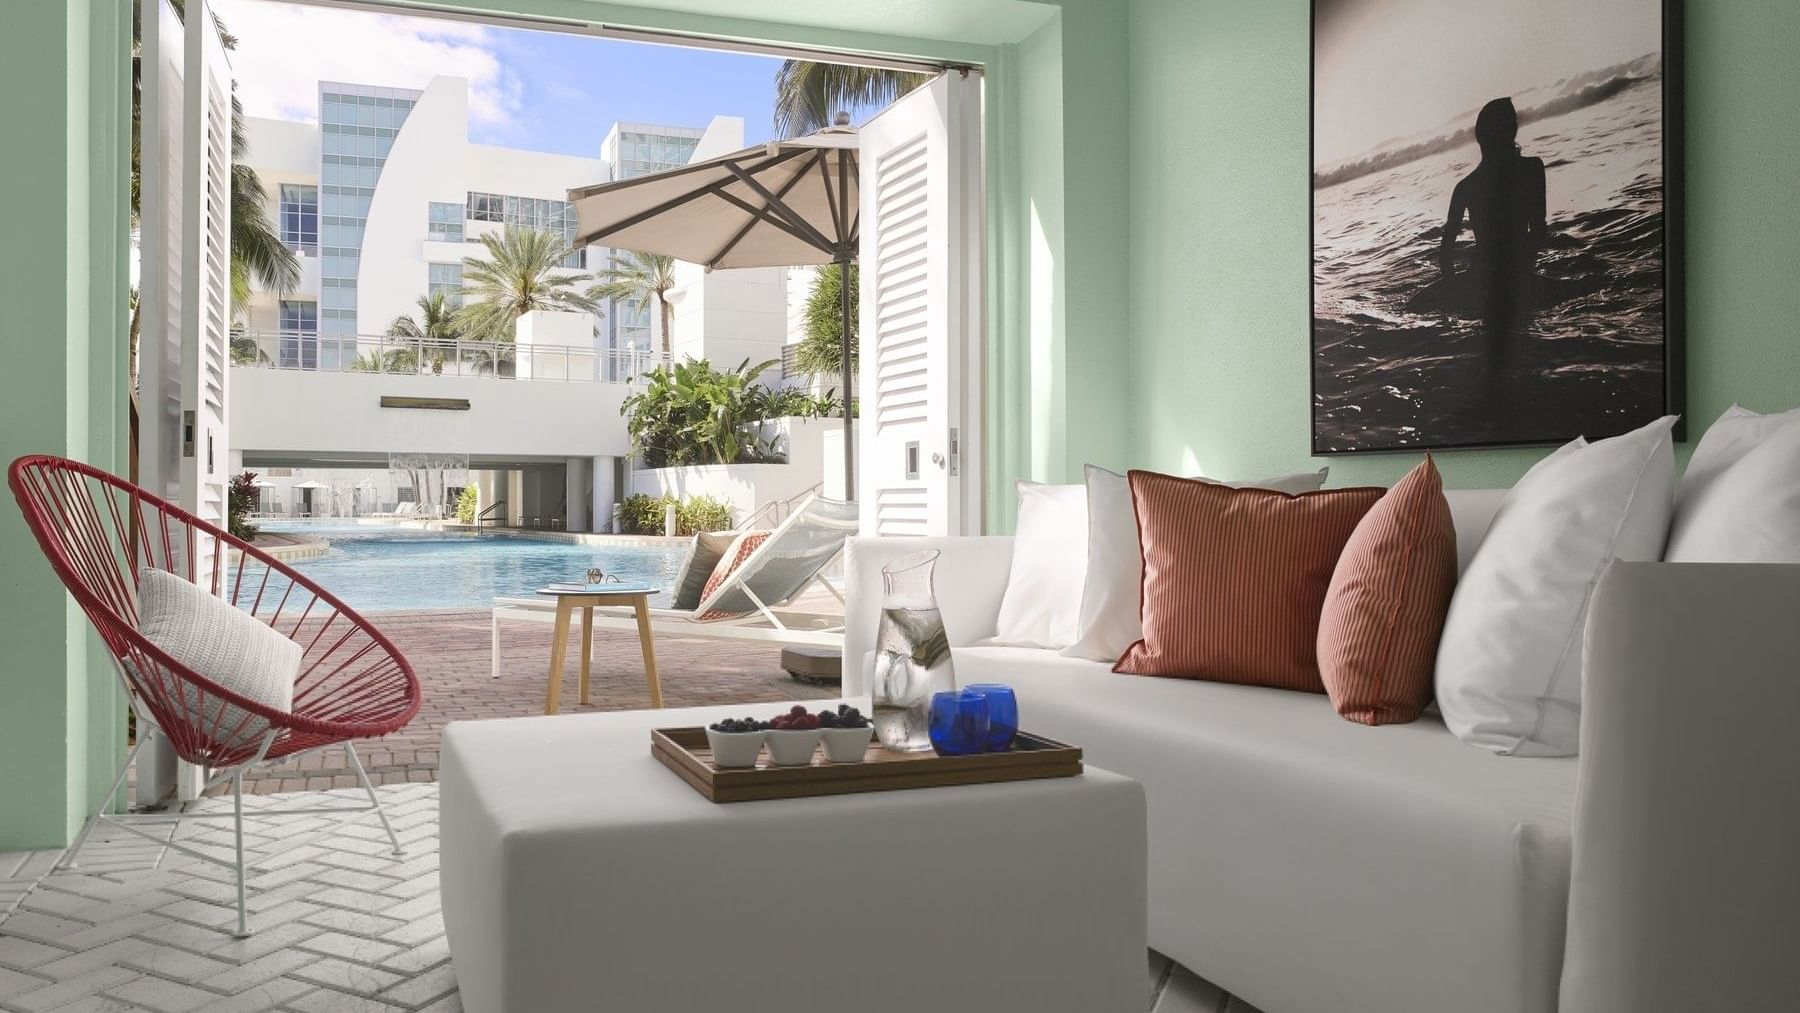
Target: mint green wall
[(1219, 234), (62, 95)]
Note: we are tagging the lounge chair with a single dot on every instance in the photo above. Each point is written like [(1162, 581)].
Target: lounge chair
[(755, 603)]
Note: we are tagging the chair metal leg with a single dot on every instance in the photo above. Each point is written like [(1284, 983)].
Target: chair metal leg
[(69, 856), (237, 826), (374, 800)]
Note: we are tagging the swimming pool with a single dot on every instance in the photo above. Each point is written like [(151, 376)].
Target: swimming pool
[(391, 567)]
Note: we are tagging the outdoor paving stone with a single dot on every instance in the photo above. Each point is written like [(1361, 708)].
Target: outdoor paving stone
[(267, 967), (102, 1004), (19, 982), (328, 1001), (418, 991), (347, 976), (59, 994), (161, 995), (22, 954), (364, 951), (171, 962), (265, 996)]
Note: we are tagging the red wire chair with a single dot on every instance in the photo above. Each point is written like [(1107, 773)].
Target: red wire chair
[(99, 532)]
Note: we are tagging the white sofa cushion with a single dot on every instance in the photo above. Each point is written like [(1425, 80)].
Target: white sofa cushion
[(1725, 442), (1042, 605), (227, 645), (1110, 616), (1743, 504), (1284, 837), (1509, 664)]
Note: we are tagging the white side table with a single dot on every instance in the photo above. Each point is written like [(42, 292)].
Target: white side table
[(623, 889)]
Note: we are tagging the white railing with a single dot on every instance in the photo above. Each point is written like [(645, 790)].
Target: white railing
[(393, 355)]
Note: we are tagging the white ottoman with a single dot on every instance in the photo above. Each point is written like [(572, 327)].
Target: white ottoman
[(578, 873)]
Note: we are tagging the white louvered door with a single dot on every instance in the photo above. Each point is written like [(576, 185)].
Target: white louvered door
[(919, 320), (206, 303), (184, 348)]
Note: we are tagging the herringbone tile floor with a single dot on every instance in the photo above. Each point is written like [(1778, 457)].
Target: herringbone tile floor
[(341, 925)]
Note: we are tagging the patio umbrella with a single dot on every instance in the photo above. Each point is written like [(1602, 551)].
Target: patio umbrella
[(309, 484), (780, 204)]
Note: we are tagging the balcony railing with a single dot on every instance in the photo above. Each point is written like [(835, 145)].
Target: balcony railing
[(392, 355)]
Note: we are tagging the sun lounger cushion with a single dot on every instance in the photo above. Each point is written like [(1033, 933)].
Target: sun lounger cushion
[(697, 570), (741, 549)]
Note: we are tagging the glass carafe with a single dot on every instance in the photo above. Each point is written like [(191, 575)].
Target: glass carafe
[(912, 654)]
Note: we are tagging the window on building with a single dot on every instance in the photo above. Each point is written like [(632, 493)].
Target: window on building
[(299, 334), (445, 280), (542, 214), (445, 222), (299, 213)]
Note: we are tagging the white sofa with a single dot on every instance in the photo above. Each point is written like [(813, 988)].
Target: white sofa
[(1313, 865)]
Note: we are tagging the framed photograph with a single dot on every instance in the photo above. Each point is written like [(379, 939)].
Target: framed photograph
[(1496, 221)]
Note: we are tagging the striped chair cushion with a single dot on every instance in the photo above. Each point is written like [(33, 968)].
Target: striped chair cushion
[(1234, 579), (1385, 608)]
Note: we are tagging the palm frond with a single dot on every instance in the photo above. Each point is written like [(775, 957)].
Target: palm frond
[(808, 93)]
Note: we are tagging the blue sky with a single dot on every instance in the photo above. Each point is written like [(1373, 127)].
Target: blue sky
[(575, 87), (538, 90)]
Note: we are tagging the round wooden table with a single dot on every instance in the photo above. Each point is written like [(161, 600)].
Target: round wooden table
[(587, 599)]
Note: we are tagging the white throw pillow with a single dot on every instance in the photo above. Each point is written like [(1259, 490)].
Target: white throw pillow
[(1736, 433), (1509, 662), (1042, 605), (1110, 616), (1746, 510), (225, 644)]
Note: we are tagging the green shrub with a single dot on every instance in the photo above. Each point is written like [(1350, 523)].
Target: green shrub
[(642, 514), (703, 513), (240, 502), (465, 505)]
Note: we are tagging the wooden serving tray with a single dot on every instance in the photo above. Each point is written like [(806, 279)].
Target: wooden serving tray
[(685, 751)]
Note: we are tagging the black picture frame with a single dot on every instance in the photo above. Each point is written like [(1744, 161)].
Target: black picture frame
[(1674, 347)]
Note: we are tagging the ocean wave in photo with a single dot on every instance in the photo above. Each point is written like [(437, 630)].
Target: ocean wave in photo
[(1397, 365)]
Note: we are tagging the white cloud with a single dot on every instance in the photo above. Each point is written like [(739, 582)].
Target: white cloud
[(284, 51)]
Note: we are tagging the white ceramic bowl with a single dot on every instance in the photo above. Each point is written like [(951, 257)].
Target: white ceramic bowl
[(792, 747), (847, 745), (735, 749)]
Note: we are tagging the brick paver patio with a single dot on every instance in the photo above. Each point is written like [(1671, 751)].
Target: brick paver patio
[(450, 650)]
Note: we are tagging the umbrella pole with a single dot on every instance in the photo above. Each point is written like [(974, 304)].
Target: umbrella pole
[(846, 337)]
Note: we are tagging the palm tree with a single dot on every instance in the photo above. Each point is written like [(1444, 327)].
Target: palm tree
[(522, 272), (436, 328), (638, 280), (821, 351), (807, 94)]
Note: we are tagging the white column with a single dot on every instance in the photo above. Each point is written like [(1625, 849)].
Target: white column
[(515, 497), (605, 491), (578, 485)]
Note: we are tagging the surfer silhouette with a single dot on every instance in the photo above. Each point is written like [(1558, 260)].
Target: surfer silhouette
[(1503, 198)]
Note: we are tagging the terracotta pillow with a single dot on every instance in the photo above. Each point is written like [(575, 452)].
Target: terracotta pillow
[(1384, 611), (741, 549), (1234, 579)]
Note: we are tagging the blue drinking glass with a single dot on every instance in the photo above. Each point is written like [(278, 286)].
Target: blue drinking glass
[(959, 723), (1003, 715)]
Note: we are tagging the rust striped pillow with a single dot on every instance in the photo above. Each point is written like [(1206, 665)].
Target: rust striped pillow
[(734, 556), (1384, 611), (1234, 579)]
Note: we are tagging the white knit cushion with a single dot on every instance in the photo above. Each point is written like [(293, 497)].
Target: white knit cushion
[(227, 645), (1509, 661), (1745, 507), (1042, 606), (1115, 562)]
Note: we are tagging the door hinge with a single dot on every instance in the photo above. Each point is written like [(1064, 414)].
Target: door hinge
[(187, 434), (955, 451)]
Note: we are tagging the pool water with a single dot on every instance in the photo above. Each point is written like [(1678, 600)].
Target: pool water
[(379, 567)]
